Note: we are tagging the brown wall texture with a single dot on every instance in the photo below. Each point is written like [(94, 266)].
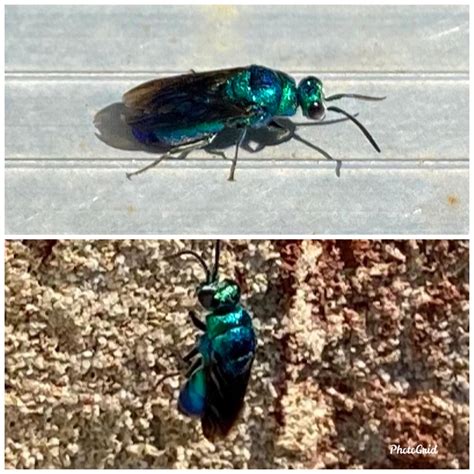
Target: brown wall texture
[(362, 344)]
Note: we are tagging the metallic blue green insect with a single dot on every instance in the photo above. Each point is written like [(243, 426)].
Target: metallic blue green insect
[(222, 357), (187, 112)]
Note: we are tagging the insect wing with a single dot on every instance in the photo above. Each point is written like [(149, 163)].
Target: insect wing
[(186, 100), (143, 96), (224, 399)]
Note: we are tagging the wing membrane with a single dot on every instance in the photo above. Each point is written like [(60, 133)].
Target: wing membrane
[(224, 400), (142, 96), (183, 100)]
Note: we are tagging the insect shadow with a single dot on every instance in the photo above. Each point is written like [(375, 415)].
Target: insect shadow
[(114, 131)]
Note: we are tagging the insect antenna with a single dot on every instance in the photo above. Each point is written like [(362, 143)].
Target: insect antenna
[(323, 122), (300, 139), (361, 127), (216, 261), (198, 258), (352, 96), (164, 377)]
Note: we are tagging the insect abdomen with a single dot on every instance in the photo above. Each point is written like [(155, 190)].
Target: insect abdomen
[(192, 396), (235, 349), (230, 350), (177, 136)]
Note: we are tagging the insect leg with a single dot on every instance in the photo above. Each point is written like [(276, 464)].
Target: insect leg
[(198, 364), (166, 376), (215, 152), (194, 351), (196, 321), (310, 145), (184, 150), (151, 165), (323, 122), (274, 124), (234, 161), (297, 137)]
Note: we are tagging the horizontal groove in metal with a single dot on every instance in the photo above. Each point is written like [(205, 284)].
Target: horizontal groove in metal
[(66, 64)]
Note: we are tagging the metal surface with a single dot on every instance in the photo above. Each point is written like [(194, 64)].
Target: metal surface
[(65, 64)]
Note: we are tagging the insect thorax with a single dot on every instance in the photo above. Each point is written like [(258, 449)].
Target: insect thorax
[(273, 91), (224, 324)]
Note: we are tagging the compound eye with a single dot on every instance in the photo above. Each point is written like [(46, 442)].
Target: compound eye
[(206, 298), (316, 111)]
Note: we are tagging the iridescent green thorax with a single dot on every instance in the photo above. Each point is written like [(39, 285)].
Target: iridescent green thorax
[(272, 91), (289, 100), (310, 91), (229, 339), (218, 324)]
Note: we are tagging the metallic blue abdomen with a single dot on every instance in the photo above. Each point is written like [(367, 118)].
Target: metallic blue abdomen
[(177, 136)]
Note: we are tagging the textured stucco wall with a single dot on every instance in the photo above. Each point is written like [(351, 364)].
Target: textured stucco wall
[(361, 344)]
